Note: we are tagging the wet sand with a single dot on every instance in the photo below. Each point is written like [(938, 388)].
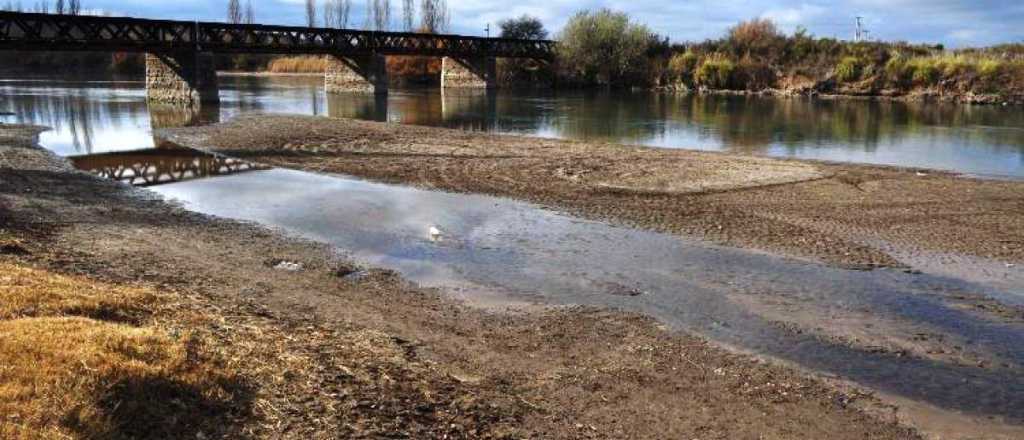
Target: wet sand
[(845, 215), (848, 216), (373, 355)]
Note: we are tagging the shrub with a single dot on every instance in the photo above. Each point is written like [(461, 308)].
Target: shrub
[(751, 74), (924, 71), (955, 65), (715, 72), (682, 66), (896, 69), (758, 37), (604, 47), (990, 67), (849, 69), (301, 64)]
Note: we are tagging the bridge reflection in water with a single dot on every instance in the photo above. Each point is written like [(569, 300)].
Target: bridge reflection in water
[(158, 166), (465, 109)]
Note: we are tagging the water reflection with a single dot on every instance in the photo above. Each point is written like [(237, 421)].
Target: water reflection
[(92, 117), (161, 165), (516, 249), (366, 106), (171, 116)]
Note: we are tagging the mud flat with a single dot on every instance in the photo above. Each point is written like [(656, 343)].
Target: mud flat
[(963, 233), (845, 215), (331, 355)]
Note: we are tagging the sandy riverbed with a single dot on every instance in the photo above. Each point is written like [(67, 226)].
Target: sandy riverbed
[(373, 356), (848, 215)]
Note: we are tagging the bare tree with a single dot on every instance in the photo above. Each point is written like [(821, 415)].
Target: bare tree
[(311, 13), (408, 14), (59, 7), (378, 14), (434, 17), (42, 7), (250, 13), (75, 7), (234, 11), (342, 10), (330, 14)]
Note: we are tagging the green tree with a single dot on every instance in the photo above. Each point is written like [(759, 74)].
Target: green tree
[(604, 47), (523, 28)]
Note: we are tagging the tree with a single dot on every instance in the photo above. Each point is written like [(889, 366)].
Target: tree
[(523, 28), (342, 9), (59, 7), (330, 14), (758, 37), (378, 14), (408, 14), (250, 13), (75, 7), (434, 17), (310, 13), (604, 47), (234, 11)]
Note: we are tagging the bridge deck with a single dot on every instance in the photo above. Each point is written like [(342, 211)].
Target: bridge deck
[(29, 31)]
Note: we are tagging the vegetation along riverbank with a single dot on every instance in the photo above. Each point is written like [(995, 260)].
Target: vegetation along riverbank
[(605, 48)]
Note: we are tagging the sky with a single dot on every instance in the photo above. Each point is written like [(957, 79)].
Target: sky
[(955, 23)]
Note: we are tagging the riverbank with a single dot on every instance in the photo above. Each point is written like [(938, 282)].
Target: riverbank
[(827, 91), (320, 353), (847, 215)]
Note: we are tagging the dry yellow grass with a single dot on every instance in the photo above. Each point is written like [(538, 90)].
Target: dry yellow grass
[(76, 377), (299, 64), (26, 292), (81, 378)]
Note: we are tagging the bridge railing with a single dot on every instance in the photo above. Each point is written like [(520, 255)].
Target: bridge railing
[(29, 31)]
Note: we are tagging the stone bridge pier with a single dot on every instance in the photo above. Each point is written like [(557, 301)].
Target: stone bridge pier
[(185, 78), (365, 74), (469, 73)]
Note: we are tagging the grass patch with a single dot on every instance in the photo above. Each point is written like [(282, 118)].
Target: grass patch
[(299, 64), (849, 69), (26, 292), (65, 372)]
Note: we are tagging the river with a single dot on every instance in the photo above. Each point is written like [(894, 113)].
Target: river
[(915, 335), (98, 116)]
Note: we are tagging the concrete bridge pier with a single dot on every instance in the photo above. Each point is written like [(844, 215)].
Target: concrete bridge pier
[(469, 73), (186, 78), (363, 74)]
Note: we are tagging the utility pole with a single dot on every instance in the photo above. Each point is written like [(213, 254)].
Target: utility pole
[(861, 32), (488, 30)]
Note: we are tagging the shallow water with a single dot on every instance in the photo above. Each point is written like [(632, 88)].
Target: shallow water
[(496, 248), (498, 251), (92, 117)]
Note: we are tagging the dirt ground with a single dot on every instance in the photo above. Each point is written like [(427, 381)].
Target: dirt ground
[(329, 355), (846, 215)]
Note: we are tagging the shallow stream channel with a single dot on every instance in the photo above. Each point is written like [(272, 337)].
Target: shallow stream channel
[(915, 335), (946, 339)]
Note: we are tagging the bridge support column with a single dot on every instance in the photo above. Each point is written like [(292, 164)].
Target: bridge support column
[(365, 74), (469, 73), (181, 78)]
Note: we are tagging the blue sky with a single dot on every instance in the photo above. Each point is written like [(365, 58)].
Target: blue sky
[(955, 23)]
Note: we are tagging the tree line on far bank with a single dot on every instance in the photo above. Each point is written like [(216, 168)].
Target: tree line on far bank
[(605, 48)]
